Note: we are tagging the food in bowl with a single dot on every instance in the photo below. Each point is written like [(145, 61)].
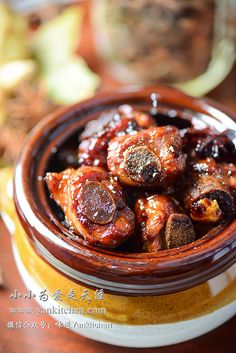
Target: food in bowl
[(93, 204), (125, 150), (152, 297)]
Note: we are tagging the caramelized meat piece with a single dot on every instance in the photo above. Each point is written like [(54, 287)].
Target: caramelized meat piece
[(208, 196), (97, 133), (229, 171), (162, 223), (207, 143), (149, 158), (93, 205), (179, 231)]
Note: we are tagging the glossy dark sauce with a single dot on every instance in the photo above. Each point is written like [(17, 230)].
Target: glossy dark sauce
[(65, 156)]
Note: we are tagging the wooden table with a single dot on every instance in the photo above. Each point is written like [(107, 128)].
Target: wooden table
[(54, 340)]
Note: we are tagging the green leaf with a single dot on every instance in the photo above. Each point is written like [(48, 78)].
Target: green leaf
[(71, 82), (13, 29), (56, 40)]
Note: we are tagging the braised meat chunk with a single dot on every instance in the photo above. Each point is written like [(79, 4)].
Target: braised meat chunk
[(152, 157), (98, 133), (93, 204), (145, 184), (208, 197), (229, 171), (207, 143), (162, 223)]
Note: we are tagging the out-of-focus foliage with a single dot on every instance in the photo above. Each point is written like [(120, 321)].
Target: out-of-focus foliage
[(39, 70), (71, 83), (14, 72), (2, 107), (13, 34), (66, 75), (56, 40)]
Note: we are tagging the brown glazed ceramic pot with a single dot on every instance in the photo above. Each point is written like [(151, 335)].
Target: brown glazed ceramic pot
[(150, 299)]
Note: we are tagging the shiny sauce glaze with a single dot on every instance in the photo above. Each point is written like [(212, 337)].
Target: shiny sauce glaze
[(142, 181)]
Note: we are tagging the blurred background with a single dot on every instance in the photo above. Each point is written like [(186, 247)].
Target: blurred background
[(55, 53)]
